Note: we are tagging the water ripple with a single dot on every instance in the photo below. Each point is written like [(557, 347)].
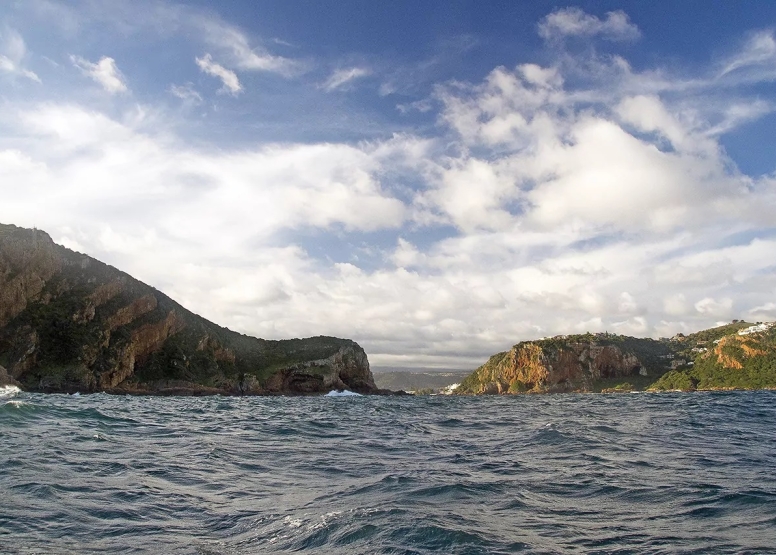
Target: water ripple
[(673, 473)]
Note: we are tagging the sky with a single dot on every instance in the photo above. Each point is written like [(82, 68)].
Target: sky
[(436, 180)]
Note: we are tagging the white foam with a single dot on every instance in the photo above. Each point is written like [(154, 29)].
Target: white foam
[(9, 391), (292, 522), (334, 393)]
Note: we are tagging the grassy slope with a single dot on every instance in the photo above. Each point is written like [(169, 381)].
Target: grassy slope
[(738, 362)]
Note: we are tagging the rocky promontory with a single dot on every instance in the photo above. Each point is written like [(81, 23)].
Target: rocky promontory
[(739, 355), (560, 364), (71, 323)]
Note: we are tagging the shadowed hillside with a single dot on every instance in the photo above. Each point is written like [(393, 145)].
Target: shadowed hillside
[(71, 323)]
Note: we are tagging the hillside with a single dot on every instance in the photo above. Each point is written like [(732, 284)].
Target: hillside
[(71, 323), (739, 355), (745, 358)]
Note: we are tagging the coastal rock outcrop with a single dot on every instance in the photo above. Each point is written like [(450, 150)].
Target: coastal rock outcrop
[(5, 379), (739, 355), (71, 323), (556, 365)]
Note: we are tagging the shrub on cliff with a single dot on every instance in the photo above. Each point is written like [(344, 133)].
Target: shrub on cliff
[(674, 380)]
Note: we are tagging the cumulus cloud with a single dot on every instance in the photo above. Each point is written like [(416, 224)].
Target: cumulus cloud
[(104, 72), (340, 78), (210, 228), (569, 22), (231, 84), (13, 51)]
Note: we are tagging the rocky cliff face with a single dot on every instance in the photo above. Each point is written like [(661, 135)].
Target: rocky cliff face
[(557, 365), (71, 323)]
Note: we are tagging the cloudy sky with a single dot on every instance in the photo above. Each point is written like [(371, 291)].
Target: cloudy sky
[(436, 180)]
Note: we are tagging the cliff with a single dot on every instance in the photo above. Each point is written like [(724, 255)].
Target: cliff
[(560, 364), (71, 323), (739, 355)]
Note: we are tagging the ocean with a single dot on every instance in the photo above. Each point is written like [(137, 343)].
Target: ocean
[(572, 473)]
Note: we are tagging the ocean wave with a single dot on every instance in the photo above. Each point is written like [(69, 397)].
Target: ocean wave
[(388, 474), (335, 393), (9, 391)]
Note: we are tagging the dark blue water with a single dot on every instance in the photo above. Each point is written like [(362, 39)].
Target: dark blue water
[(639, 473)]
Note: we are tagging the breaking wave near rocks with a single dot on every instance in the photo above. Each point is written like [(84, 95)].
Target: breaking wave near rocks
[(647, 473)]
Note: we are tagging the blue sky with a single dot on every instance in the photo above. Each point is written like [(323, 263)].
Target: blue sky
[(436, 180)]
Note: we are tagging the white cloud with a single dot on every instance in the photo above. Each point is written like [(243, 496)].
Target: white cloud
[(406, 254), (675, 305), (210, 228), (340, 78), (275, 187), (759, 50), (104, 72), (13, 51), (718, 308), (767, 311), (233, 43), (648, 114), (205, 27), (575, 22), (231, 84), (187, 93)]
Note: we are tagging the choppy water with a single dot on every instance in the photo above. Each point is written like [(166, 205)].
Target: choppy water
[(669, 473)]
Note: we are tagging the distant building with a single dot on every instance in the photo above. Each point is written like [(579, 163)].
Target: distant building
[(757, 328)]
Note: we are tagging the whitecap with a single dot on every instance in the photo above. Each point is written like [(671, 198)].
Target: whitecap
[(9, 391), (334, 393)]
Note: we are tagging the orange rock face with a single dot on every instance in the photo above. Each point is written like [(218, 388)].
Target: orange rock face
[(572, 366)]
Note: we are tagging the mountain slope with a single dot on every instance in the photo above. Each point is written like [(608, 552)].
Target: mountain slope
[(739, 355), (69, 322), (742, 359)]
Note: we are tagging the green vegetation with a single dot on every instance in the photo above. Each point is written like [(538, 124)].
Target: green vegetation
[(674, 380), (478, 380), (712, 334), (517, 387), (737, 362), (635, 383), (687, 347)]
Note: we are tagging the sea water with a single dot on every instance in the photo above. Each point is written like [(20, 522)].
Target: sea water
[(626, 473)]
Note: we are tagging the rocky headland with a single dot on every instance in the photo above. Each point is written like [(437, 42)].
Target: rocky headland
[(71, 323), (740, 355)]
